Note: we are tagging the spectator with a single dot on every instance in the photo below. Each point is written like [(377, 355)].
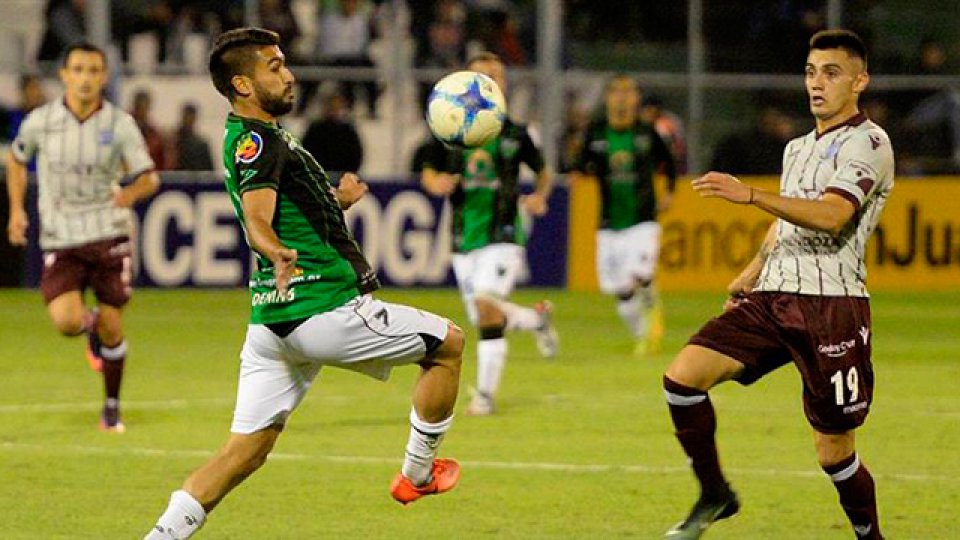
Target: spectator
[(31, 97), (332, 139), (277, 15), (669, 126), (345, 34), (758, 151), (156, 144), (131, 17), (64, 27), (191, 151), (445, 50)]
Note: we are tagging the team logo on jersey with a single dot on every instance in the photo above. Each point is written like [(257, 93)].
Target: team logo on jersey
[(105, 137), (249, 147), (642, 143), (509, 147)]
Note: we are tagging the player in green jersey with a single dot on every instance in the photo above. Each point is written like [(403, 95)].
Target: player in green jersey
[(623, 154), (488, 234), (310, 301)]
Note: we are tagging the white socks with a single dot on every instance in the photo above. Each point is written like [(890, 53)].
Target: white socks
[(114, 353), (422, 447), (632, 315), (184, 516), (520, 317), (491, 356)]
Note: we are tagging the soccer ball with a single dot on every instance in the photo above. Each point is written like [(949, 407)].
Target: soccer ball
[(466, 109)]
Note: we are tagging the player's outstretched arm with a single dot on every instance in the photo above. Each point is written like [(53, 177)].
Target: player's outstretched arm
[(830, 213), (142, 187), (16, 190), (258, 209)]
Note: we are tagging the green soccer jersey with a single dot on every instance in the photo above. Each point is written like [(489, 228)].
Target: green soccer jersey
[(331, 269), (624, 161), (485, 201)]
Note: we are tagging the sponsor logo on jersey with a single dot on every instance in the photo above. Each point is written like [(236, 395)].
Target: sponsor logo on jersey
[(836, 350), (273, 297), (249, 147)]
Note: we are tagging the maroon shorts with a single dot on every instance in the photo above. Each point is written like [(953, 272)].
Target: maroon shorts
[(826, 337), (103, 266)]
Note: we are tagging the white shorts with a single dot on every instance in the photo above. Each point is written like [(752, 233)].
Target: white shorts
[(626, 256), (492, 270), (365, 335)]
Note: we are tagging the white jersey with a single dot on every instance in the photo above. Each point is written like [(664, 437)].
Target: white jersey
[(79, 165), (853, 160)]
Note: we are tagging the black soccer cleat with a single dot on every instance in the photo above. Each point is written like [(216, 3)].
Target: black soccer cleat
[(702, 515)]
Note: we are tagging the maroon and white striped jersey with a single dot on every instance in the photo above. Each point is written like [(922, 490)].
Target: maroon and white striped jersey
[(853, 160), (79, 165)]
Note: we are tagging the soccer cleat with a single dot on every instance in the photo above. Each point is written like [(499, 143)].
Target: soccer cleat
[(110, 420), (443, 478), (93, 341), (702, 515), (546, 335), (480, 405)]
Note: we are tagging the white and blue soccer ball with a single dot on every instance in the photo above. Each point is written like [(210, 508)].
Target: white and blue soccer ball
[(466, 109)]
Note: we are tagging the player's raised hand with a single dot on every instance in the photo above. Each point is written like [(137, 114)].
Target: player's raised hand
[(284, 266), (723, 186), (17, 227), (350, 190), (535, 203)]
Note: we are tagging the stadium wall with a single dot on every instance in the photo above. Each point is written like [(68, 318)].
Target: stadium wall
[(187, 236), (706, 242)]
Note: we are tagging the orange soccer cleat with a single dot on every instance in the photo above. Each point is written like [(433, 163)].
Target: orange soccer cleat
[(446, 474)]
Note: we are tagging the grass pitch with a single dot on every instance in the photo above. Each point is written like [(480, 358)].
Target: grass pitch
[(583, 447)]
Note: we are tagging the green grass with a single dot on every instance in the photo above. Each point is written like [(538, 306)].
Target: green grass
[(596, 413)]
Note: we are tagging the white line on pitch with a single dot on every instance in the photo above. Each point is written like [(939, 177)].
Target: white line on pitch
[(95, 405), (583, 468)]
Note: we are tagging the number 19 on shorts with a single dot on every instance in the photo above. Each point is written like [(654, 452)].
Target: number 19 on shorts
[(852, 380)]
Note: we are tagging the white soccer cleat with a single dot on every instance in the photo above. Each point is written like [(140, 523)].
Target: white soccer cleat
[(548, 340), (480, 405)]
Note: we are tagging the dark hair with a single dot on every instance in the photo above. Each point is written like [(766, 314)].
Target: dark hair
[(85, 47), (483, 56), (233, 54), (840, 39), (620, 77)]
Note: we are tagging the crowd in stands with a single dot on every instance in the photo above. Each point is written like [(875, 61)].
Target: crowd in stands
[(748, 36)]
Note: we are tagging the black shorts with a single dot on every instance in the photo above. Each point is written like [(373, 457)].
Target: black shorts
[(826, 337), (103, 266)]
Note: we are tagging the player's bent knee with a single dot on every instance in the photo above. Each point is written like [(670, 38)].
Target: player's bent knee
[(702, 368), (68, 324), (451, 350)]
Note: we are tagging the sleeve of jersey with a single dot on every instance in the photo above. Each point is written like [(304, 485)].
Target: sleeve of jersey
[(862, 163), (133, 148), (257, 158), (529, 153), (25, 144)]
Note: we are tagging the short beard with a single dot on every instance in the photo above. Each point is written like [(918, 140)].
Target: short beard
[(272, 104)]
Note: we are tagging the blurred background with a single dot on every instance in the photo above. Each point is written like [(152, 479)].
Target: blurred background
[(721, 80)]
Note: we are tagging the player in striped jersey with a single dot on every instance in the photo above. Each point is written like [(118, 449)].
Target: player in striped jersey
[(309, 295), (84, 145), (803, 298)]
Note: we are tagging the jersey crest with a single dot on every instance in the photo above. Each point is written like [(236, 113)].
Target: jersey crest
[(249, 147)]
